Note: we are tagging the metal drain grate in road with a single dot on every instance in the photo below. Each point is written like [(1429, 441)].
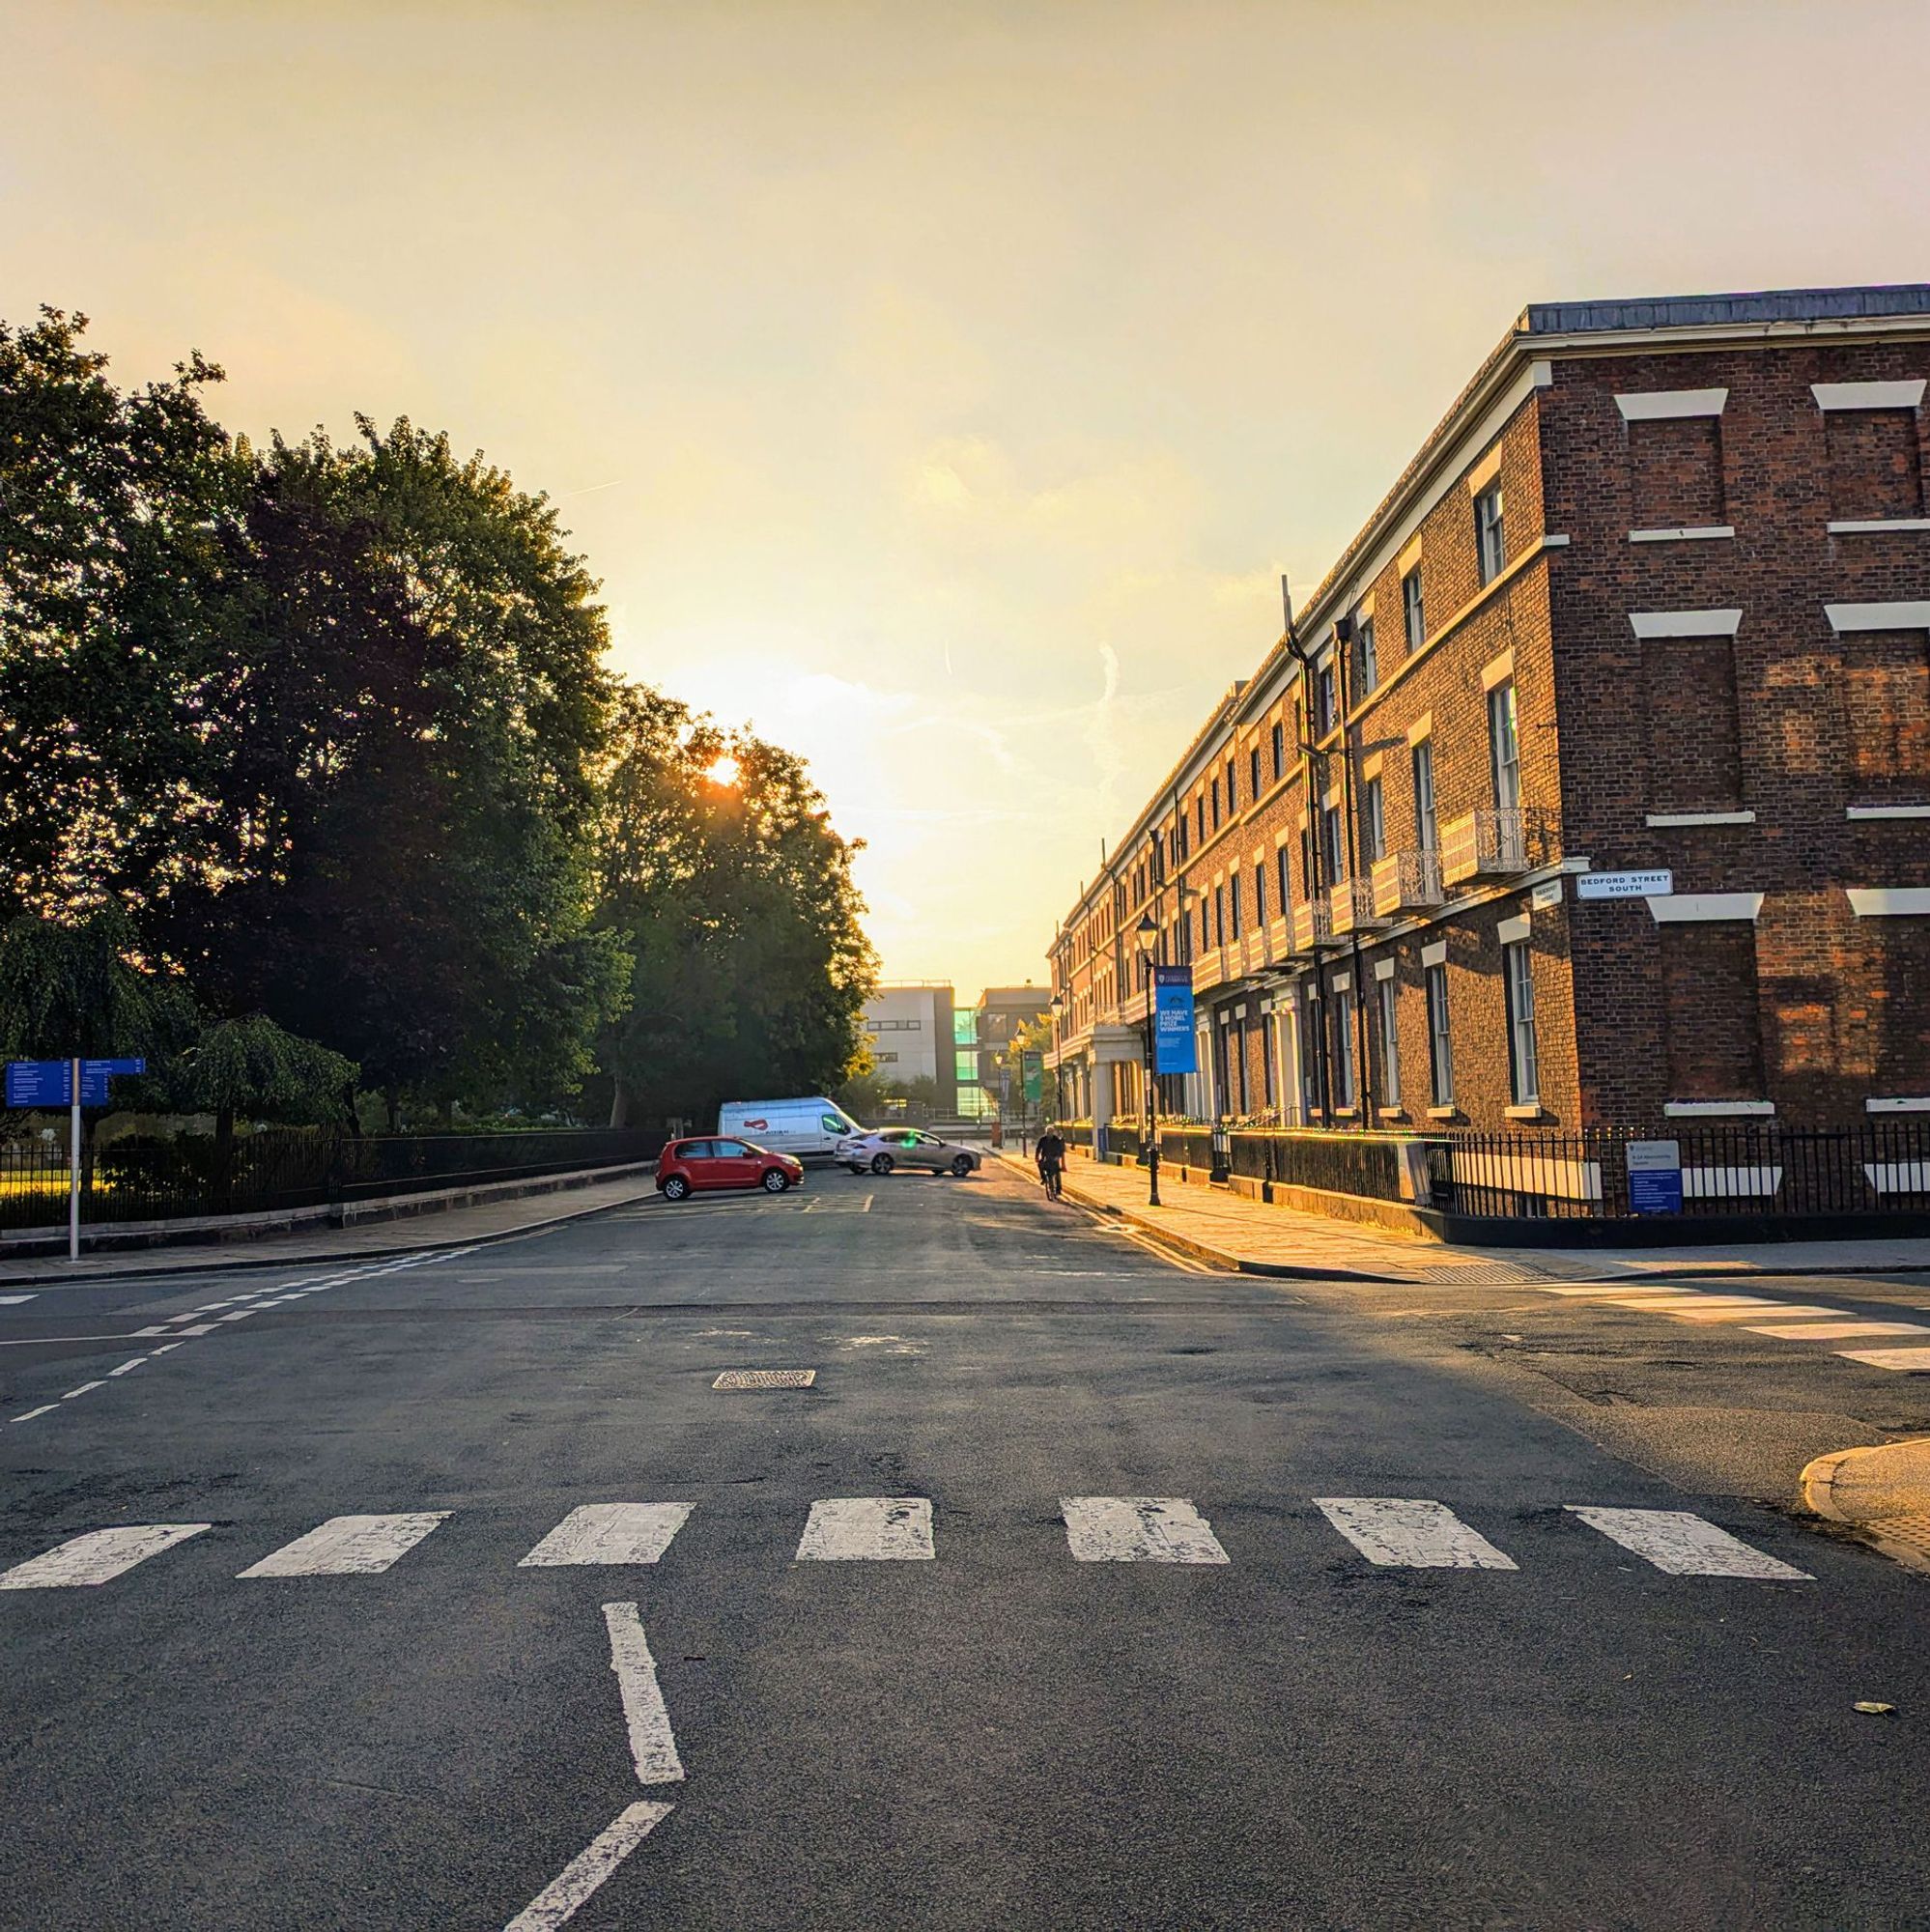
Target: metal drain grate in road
[(765, 1379)]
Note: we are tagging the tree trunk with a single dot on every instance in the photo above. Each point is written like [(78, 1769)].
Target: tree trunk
[(224, 1155), (622, 1102)]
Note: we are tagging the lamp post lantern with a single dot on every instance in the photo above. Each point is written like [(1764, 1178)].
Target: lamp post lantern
[(1145, 936)]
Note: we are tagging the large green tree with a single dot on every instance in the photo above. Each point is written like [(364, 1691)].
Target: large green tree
[(734, 900)]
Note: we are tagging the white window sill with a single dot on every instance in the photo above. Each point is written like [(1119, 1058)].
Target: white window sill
[(1692, 533), (1690, 1110), (1887, 811), (1667, 818), (1529, 1111), (1400, 1113), (1909, 1103), (1863, 525), (1447, 1112)]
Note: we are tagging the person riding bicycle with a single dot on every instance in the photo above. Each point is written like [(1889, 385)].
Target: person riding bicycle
[(1050, 1155)]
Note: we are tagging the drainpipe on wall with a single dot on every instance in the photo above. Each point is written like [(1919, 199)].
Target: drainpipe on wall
[(1323, 1070)]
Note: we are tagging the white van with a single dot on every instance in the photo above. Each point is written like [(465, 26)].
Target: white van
[(811, 1126)]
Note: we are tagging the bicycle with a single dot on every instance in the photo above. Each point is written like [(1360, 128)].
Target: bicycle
[(1050, 1179)]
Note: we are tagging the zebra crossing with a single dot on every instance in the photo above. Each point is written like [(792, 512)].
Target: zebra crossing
[(1390, 1532)]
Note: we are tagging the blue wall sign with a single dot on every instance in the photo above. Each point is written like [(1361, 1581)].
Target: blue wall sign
[(1173, 1020), (1654, 1177)]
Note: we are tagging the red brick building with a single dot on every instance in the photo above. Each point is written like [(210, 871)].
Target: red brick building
[(1653, 599)]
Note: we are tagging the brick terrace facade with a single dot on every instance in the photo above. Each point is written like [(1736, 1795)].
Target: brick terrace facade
[(1654, 597)]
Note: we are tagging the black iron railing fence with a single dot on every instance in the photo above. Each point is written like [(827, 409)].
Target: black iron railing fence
[(1732, 1168), (146, 1179)]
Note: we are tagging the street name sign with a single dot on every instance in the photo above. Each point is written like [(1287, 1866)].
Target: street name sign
[(1654, 1177), (1624, 885), (1545, 894)]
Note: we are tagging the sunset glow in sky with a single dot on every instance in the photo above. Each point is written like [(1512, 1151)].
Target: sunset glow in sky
[(941, 389)]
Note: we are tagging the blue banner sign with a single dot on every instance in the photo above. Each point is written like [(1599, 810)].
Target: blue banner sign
[(1173, 1020), (49, 1083)]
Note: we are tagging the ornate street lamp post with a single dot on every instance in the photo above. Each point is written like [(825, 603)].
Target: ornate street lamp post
[(1145, 936)]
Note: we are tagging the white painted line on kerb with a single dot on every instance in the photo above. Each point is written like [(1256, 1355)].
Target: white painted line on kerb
[(609, 1533), (1840, 1331), (558, 1900), (1409, 1533), (653, 1746), (81, 1391), (1138, 1529), (1683, 1545), (1889, 1358), (888, 1530), (99, 1556), (126, 1368), (349, 1545)]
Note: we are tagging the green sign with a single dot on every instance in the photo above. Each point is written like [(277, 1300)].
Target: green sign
[(1034, 1074)]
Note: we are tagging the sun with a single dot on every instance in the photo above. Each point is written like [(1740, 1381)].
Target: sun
[(721, 770)]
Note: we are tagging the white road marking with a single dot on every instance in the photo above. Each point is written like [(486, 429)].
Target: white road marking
[(609, 1533), (1684, 1545), (204, 1329), (81, 1391), (1138, 1529), (14, 1300), (559, 1899), (1596, 1292), (99, 1556), (46, 1409), (1840, 1331), (349, 1545), (653, 1746), (238, 1315), (883, 1529), (1888, 1358), (1792, 1311), (1410, 1533), (126, 1367), (165, 1349)]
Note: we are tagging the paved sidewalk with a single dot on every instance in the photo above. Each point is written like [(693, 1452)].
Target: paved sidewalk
[(365, 1241), (1883, 1492), (1256, 1238)]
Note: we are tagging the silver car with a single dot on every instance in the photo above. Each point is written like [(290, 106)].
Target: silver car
[(905, 1146)]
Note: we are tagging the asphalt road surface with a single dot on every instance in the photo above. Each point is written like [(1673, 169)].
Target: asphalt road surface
[(1080, 1589)]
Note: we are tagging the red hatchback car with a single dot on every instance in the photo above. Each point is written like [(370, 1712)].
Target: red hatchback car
[(686, 1166)]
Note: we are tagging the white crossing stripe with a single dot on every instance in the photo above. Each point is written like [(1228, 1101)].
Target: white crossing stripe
[(1783, 1311), (1877, 1358), (653, 1746), (1682, 1543), (1138, 1529), (887, 1529), (99, 1556), (349, 1545), (14, 1300), (1410, 1533), (558, 1900), (1840, 1331), (610, 1533)]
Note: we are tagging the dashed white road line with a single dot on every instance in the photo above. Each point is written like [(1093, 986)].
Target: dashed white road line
[(81, 1391), (609, 1533), (1839, 1331), (98, 1557), (560, 1899), (887, 1529), (1683, 1544), (126, 1368), (46, 1409), (350, 1546), (1408, 1533), (653, 1746), (1138, 1529), (1918, 1360)]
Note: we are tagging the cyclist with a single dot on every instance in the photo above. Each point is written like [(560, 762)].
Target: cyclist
[(1050, 1155)]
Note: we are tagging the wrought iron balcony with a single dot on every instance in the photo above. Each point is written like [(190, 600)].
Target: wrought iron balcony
[(1352, 907), (1312, 925), (1488, 844), (1407, 882)]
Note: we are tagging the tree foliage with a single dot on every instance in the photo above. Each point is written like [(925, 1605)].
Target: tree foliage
[(316, 743)]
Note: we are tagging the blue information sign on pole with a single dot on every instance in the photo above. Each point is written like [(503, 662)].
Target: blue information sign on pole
[(49, 1083), (1173, 1020)]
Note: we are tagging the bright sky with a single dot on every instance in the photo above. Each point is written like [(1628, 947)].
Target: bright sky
[(941, 388)]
